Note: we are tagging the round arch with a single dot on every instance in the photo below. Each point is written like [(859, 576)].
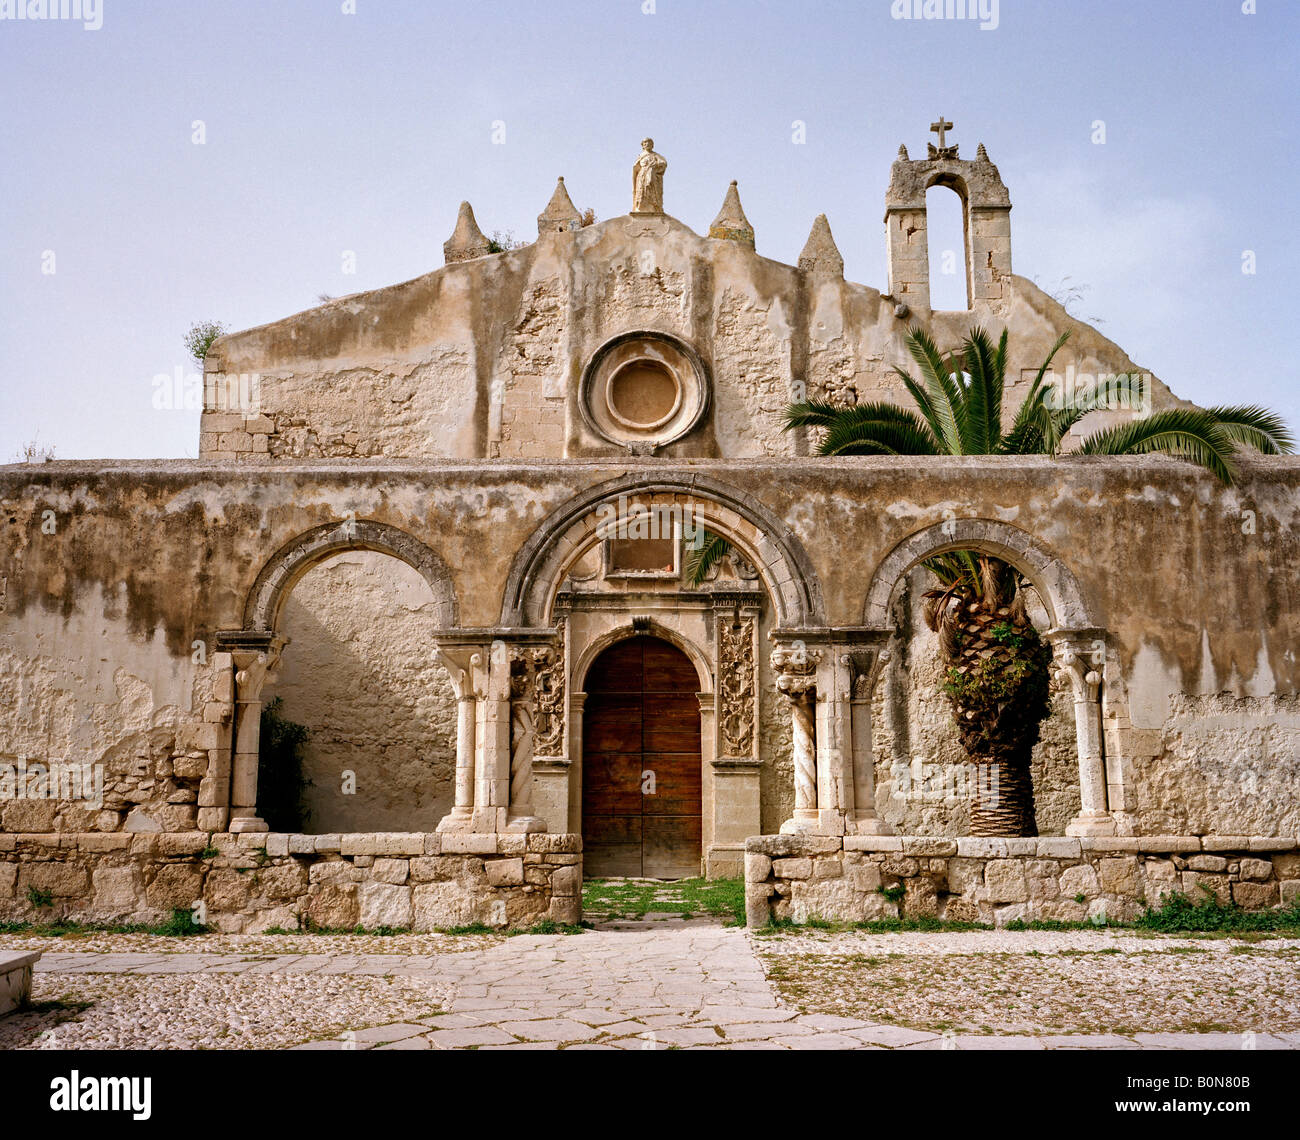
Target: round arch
[(1061, 594), (570, 531), (284, 568), (652, 629)]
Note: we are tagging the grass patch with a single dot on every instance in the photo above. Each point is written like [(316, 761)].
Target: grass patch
[(635, 898), (1180, 913), (180, 925)]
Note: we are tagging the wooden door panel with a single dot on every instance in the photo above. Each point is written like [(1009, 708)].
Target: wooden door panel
[(642, 714)]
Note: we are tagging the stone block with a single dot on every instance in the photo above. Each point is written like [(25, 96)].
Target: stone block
[(553, 843), (1289, 889), (406, 843), (1256, 869), (873, 843), (182, 843), (1057, 847), (1004, 881), (302, 844), (390, 870), (1118, 875), (566, 909), (865, 877), (284, 881), (228, 890), (8, 880), (61, 880), (359, 843), (1167, 844), (385, 904), (438, 905), (903, 867), (973, 848), (506, 872), (1215, 863), (469, 843), (333, 905), (329, 842), (828, 867), (920, 899), (176, 886), (929, 847), (1196, 883), (511, 843), (566, 881), (117, 890), (1271, 843), (1254, 896), (1225, 843), (757, 867), (965, 874), (794, 868), (1287, 866), (277, 845)]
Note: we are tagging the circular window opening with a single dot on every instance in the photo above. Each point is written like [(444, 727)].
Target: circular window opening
[(643, 394)]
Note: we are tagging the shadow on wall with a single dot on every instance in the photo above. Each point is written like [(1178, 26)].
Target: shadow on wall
[(921, 769), (359, 674)]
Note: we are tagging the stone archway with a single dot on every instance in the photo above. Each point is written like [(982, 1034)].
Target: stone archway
[(1078, 641), (283, 569), (255, 649), (770, 545)]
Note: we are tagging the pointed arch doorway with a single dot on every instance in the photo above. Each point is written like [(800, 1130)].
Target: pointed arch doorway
[(641, 763)]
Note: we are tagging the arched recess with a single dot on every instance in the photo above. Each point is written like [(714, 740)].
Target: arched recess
[(1075, 633), (571, 530), (694, 653), (284, 568), (1067, 606)]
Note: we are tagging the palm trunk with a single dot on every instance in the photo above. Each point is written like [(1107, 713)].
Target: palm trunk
[(1003, 800)]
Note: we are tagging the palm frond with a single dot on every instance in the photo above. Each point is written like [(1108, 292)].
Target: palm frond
[(1255, 427), (1188, 433), (947, 404), (1031, 412), (703, 558)]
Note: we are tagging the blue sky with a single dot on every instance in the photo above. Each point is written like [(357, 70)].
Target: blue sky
[(328, 132)]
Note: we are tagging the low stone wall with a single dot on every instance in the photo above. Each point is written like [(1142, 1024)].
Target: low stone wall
[(858, 878), (253, 882)]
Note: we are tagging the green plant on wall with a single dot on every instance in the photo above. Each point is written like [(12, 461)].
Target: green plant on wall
[(279, 769)]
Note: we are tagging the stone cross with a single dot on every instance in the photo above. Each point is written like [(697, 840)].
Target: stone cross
[(939, 129)]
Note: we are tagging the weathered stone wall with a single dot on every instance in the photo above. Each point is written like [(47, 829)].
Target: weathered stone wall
[(113, 572), (360, 674), (483, 358), (1002, 880), (252, 883)]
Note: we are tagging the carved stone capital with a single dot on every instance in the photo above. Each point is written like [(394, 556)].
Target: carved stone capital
[(795, 667)]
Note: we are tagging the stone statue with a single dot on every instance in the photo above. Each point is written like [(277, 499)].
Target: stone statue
[(648, 180)]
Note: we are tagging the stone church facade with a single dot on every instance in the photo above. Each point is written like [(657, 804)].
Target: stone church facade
[(448, 522)]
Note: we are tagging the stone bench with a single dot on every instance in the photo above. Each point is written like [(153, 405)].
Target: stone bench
[(16, 978)]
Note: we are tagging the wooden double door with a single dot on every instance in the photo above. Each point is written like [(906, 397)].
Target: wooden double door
[(641, 779)]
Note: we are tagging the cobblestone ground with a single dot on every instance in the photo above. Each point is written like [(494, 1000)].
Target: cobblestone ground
[(660, 985)]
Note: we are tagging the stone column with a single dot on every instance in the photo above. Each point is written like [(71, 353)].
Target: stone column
[(577, 702), (525, 665), (253, 668), (466, 670), (865, 669), (796, 679), (1080, 659), (492, 745)]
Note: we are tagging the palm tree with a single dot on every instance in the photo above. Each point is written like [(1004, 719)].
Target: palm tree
[(996, 664)]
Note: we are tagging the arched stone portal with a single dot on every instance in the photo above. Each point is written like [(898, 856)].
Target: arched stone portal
[(641, 762), (1078, 641), (255, 649)]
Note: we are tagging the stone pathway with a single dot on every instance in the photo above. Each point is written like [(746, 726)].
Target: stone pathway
[(659, 985)]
